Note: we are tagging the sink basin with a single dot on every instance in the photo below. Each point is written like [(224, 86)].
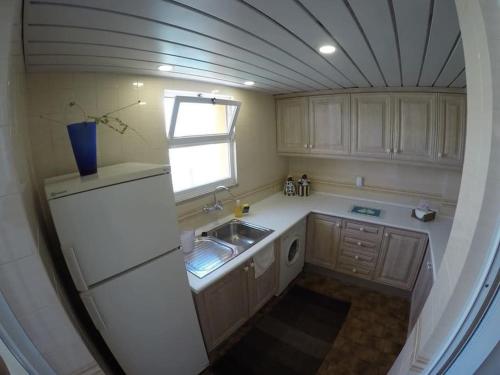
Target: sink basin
[(222, 244), (207, 255), (240, 234)]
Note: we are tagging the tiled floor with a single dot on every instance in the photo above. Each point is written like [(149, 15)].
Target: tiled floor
[(371, 337)]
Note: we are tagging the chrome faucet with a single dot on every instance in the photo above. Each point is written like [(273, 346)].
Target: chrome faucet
[(216, 204)]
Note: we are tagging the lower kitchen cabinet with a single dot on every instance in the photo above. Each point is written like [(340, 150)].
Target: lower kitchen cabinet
[(323, 237), (422, 289), (400, 257), (224, 306)]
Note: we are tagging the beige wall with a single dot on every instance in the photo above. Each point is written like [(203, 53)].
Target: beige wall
[(405, 184), (259, 168), (27, 280)]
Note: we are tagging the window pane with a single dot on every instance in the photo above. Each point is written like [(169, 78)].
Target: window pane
[(203, 118), (199, 165)]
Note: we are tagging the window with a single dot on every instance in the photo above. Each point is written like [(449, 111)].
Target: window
[(201, 142)]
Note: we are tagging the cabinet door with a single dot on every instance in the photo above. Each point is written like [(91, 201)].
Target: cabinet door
[(223, 307), (261, 290), (451, 129), (400, 257), (415, 127), (422, 289), (371, 125), (329, 124), (323, 238), (293, 125)]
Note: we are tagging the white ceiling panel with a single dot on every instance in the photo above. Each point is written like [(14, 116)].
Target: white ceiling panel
[(444, 33), (275, 43), (412, 19), (338, 19)]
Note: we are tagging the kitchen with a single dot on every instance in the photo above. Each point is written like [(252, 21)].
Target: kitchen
[(244, 96)]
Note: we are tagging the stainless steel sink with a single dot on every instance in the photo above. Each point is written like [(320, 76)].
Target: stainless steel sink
[(222, 244), (240, 234)]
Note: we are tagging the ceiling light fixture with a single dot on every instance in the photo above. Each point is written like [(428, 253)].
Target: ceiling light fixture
[(165, 68), (327, 49), (138, 84), (249, 83), (215, 91)]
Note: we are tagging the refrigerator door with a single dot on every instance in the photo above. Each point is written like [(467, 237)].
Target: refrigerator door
[(109, 230), (147, 318)]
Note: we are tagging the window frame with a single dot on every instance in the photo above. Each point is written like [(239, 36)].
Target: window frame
[(205, 139)]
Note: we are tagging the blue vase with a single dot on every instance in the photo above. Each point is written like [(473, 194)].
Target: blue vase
[(83, 142)]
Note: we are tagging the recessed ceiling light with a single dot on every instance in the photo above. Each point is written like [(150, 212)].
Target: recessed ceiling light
[(327, 49), (165, 68), (141, 102), (249, 83), (215, 91), (138, 84)]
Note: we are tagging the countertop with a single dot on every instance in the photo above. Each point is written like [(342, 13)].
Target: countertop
[(279, 212)]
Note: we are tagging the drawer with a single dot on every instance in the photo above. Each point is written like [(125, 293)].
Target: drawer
[(365, 259), (364, 229), (354, 269), (359, 242)]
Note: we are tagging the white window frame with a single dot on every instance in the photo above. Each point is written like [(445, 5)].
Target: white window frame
[(205, 139)]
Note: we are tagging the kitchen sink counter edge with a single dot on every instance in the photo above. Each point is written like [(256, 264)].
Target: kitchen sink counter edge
[(280, 213)]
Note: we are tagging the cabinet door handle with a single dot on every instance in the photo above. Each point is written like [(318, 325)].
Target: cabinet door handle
[(387, 150), (440, 154), (354, 270), (337, 225), (361, 229), (74, 269), (429, 265), (356, 257), (306, 145), (252, 264), (245, 269), (359, 243), (386, 234)]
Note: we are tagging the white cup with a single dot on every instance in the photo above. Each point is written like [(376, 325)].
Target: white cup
[(187, 240)]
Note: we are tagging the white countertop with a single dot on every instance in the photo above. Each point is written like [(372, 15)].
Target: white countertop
[(279, 212)]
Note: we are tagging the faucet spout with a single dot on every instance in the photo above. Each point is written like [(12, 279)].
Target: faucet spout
[(216, 204)]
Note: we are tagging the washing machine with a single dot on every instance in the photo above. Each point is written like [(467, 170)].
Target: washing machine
[(292, 252)]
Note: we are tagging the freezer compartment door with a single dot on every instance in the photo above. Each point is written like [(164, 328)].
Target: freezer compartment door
[(147, 317), (106, 231)]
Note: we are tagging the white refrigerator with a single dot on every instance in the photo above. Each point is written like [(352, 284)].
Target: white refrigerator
[(119, 236)]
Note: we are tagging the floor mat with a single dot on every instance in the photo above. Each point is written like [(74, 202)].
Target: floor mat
[(292, 338)]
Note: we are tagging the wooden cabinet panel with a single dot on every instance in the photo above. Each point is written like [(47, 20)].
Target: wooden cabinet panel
[(415, 127), (293, 125), (451, 129), (329, 124), (422, 289), (400, 257), (263, 288), (223, 307), (371, 125), (323, 238)]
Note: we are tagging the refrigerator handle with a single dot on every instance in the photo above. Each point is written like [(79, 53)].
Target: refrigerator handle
[(74, 269), (89, 303)]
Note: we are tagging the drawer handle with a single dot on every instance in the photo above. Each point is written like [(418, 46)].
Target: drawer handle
[(359, 243), (361, 229), (354, 270), (245, 269), (356, 257)]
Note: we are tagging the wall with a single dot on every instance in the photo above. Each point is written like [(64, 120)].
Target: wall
[(27, 280), (260, 170), (405, 184)]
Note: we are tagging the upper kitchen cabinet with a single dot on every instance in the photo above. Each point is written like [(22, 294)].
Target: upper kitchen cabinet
[(451, 129), (415, 127), (293, 125), (329, 124), (371, 125)]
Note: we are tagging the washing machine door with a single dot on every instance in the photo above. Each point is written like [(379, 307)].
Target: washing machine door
[(294, 251)]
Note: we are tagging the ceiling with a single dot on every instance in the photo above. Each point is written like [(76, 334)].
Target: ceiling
[(379, 43)]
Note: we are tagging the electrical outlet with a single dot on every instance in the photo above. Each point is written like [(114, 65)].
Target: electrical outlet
[(360, 181)]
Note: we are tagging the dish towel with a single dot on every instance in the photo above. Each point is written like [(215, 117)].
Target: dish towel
[(263, 260)]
